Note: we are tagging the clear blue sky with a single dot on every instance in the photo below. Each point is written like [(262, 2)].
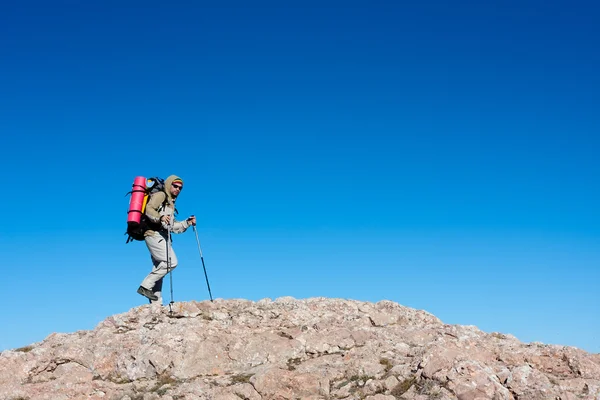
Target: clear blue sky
[(441, 155)]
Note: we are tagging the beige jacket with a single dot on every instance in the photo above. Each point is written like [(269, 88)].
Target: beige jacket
[(162, 203)]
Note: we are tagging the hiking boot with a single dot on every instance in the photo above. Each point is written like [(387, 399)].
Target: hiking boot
[(147, 293)]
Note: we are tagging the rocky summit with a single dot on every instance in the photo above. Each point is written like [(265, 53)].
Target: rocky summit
[(316, 348)]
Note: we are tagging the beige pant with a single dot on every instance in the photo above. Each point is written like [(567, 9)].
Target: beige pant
[(157, 245)]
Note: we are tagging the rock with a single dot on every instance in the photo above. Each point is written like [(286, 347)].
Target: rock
[(311, 349)]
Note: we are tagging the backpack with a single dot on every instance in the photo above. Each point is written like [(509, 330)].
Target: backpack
[(142, 189)]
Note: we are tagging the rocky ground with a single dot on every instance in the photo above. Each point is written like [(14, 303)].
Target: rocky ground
[(317, 348)]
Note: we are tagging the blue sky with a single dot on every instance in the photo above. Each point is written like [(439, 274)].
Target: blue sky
[(440, 155)]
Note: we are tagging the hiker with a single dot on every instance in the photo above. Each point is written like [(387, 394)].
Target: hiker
[(160, 215)]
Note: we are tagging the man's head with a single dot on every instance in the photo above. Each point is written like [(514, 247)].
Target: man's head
[(174, 186)]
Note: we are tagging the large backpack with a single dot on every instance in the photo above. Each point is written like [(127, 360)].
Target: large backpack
[(142, 189)]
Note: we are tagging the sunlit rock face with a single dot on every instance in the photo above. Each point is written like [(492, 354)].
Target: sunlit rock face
[(317, 348)]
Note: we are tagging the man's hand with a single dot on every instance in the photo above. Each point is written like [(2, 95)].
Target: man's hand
[(192, 220), (165, 219)]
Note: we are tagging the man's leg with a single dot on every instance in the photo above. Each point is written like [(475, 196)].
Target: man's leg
[(157, 290), (157, 245)]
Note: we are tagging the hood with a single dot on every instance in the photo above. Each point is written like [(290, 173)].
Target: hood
[(168, 183)]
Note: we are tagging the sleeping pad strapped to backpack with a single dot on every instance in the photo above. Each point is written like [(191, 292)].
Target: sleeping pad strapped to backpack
[(142, 189)]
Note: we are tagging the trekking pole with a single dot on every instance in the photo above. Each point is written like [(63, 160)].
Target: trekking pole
[(202, 258), (169, 270)]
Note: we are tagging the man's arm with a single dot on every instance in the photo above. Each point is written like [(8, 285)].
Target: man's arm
[(153, 206)]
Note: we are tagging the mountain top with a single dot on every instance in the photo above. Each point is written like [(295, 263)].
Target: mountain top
[(317, 348)]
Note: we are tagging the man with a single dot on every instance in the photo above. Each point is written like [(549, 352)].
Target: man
[(160, 214)]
